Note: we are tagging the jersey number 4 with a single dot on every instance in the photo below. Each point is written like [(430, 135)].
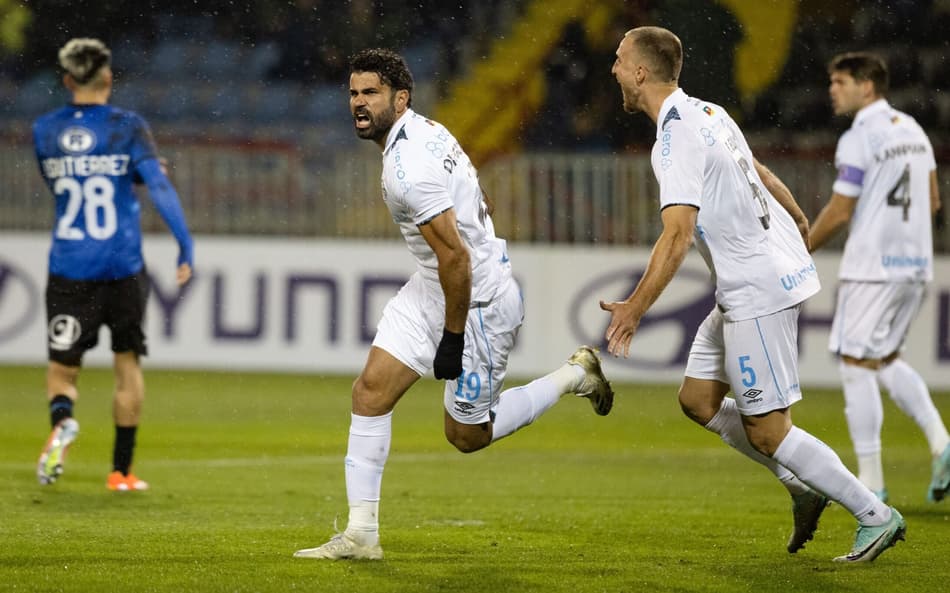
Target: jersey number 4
[(95, 198), (900, 193)]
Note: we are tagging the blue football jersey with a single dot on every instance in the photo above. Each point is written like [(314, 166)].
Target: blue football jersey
[(90, 157)]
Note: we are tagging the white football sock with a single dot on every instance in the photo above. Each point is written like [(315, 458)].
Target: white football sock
[(366, 454), (909, 392), (818, 466), (865, 416), (727, 423), (519, 407)]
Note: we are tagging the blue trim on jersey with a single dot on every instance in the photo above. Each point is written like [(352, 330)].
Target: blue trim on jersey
[(491, 364), (768, 359)]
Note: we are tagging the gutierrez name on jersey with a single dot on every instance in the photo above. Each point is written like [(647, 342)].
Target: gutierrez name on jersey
[(86, 165)]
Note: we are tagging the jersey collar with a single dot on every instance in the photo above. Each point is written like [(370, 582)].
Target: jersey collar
[(397, 129), (668, 108), (870, 109)]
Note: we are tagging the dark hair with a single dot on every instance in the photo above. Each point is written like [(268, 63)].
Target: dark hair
[(390, 66), (662, 49), (862, 66), (83, 58)]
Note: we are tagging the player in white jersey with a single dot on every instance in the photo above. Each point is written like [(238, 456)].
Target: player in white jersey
[(750, 231), (886, 190), (458, 314)]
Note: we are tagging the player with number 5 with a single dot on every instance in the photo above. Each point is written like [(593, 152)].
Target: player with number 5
[(886, 190), (90, 155), (753, 237)]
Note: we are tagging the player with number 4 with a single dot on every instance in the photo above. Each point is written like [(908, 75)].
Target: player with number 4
[(753, 236), (90, 155), (887, 191)]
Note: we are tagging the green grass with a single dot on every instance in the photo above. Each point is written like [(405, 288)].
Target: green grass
[(247, 468)]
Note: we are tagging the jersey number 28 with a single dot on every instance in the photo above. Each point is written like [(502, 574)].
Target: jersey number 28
[(95, 197)]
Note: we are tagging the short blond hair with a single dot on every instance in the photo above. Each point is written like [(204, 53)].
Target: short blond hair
[(83, 58), (662, 49)]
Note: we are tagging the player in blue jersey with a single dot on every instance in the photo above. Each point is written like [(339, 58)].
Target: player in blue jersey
[(90, 155)]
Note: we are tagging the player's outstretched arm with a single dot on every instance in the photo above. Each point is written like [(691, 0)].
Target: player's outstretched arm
[(679, 223)]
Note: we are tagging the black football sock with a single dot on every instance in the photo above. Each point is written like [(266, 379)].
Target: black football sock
[(122, 452), (60, 407)]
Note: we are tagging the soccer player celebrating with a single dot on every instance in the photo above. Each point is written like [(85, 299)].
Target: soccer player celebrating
[(90, 155), (458, 315), (753, 237), (887, 191)]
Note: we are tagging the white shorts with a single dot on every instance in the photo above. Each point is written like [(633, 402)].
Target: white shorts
[(872, 318), (757, 358), (411, 328)]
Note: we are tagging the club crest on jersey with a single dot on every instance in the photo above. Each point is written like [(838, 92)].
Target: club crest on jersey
[(77, 140)]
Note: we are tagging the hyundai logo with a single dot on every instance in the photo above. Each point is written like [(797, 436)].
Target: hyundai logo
[(666, 332)]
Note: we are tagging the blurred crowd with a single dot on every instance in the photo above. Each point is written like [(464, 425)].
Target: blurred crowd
[(300, 47)]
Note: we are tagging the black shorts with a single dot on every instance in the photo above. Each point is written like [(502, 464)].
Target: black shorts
[(76, 309)]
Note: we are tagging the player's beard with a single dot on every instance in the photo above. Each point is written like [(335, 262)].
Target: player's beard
[(379, 124), (630, 99)]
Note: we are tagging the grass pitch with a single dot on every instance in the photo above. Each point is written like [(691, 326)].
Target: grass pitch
[(247, 468)]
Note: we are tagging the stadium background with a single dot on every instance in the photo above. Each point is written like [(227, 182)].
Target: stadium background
[(249, 104)]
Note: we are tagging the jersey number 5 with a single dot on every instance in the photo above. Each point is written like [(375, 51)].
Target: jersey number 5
[(95, 197), (900, 193)]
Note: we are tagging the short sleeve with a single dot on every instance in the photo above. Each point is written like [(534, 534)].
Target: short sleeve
[(427, 193), (679, 164), (850, 161)]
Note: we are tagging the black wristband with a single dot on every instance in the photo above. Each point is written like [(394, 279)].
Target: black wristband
[(448, 356)]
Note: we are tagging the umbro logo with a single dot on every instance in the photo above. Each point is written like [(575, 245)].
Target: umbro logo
[(464, 407), (753, 395)]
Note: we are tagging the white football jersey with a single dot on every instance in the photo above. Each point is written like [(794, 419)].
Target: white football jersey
[(426, 172), (752, 246), (884, 160)]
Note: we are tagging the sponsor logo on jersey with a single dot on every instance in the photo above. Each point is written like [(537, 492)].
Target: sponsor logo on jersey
[(77, 140), (708, 110), (792, 280)]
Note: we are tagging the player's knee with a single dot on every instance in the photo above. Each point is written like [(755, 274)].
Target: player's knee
[(465, 445), (763, 442), (368, 400), (467, 441), (697, 409)]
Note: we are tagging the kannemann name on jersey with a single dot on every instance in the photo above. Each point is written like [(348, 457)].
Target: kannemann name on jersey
[(884, 161)]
